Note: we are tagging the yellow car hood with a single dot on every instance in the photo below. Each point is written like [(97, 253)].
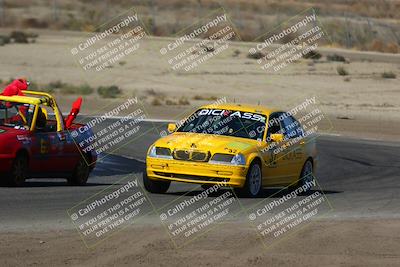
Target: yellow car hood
[(207, 142)]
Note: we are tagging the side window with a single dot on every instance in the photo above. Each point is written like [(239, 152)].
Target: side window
[(274, 126), (45, 121), (17, 115), (299, 128), (292, 127)]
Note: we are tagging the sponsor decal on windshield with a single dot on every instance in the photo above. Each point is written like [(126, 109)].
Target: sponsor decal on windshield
[(231, 113)]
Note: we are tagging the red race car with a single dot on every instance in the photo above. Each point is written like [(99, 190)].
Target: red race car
[(33, 145)]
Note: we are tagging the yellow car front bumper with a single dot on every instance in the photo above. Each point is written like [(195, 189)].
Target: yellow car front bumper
[(195, 172)]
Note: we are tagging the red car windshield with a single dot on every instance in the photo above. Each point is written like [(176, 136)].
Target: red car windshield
[(16, 115)]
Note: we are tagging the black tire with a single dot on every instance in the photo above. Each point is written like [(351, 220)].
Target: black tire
[(19, 171), (153, 186), (206, 186), (81, 173), (306, 176), (253, 186)]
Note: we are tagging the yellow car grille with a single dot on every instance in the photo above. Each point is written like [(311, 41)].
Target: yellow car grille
[(191, 155), (193, 177)]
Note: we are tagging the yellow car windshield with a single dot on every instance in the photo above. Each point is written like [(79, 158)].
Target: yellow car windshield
[(226, 122)]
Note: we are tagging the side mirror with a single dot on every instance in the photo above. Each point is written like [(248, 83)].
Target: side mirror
[(277, 138), (171, 127)]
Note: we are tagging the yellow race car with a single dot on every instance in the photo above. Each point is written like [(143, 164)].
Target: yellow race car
[(241, 146)]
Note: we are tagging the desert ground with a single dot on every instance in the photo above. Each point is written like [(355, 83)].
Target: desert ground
[(362, 104), (326, 243)]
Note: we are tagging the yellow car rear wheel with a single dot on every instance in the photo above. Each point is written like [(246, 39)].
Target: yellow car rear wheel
[(306, 177)]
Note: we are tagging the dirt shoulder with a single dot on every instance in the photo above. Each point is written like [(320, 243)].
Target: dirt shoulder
[(321, 243), (361, 104)]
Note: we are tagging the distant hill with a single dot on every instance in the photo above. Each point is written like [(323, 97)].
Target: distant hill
[(364, 25)]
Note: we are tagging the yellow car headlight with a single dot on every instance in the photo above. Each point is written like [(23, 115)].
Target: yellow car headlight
[(238, 159), (160, 152), (228, 159)]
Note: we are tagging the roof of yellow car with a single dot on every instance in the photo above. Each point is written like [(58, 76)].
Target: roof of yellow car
[(241, 107)]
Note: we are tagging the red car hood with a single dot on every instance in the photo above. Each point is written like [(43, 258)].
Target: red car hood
[(7, 131), (11, 138)]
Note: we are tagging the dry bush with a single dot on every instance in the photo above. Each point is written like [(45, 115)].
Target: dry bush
[(4, 40), (156, 102), (380, 46), (19, 37), (34, 23), (248, 34), (377, 45), (205, 98), (112, 91), (392, 48), (336, 57), (183, 101), (312, 54), (236, 53), (388, 75), (170, 102), (155, 94), (342, 71), (83, 89), (151, 92), (256, 55)]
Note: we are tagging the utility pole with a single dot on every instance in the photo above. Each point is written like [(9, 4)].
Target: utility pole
[(199, 9), (2, 13), (238, 16), (153, 10), (55, 10), (349, 37)]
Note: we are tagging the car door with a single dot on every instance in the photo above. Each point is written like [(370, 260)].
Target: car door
[(294, 154), (67, 152), (275, 165), (51, 152)]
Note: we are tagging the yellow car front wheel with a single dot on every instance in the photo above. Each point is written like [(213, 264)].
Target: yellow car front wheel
[(153, 186), (253, 184)]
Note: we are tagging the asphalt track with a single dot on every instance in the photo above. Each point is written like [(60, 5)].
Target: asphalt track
[(360, 178)]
